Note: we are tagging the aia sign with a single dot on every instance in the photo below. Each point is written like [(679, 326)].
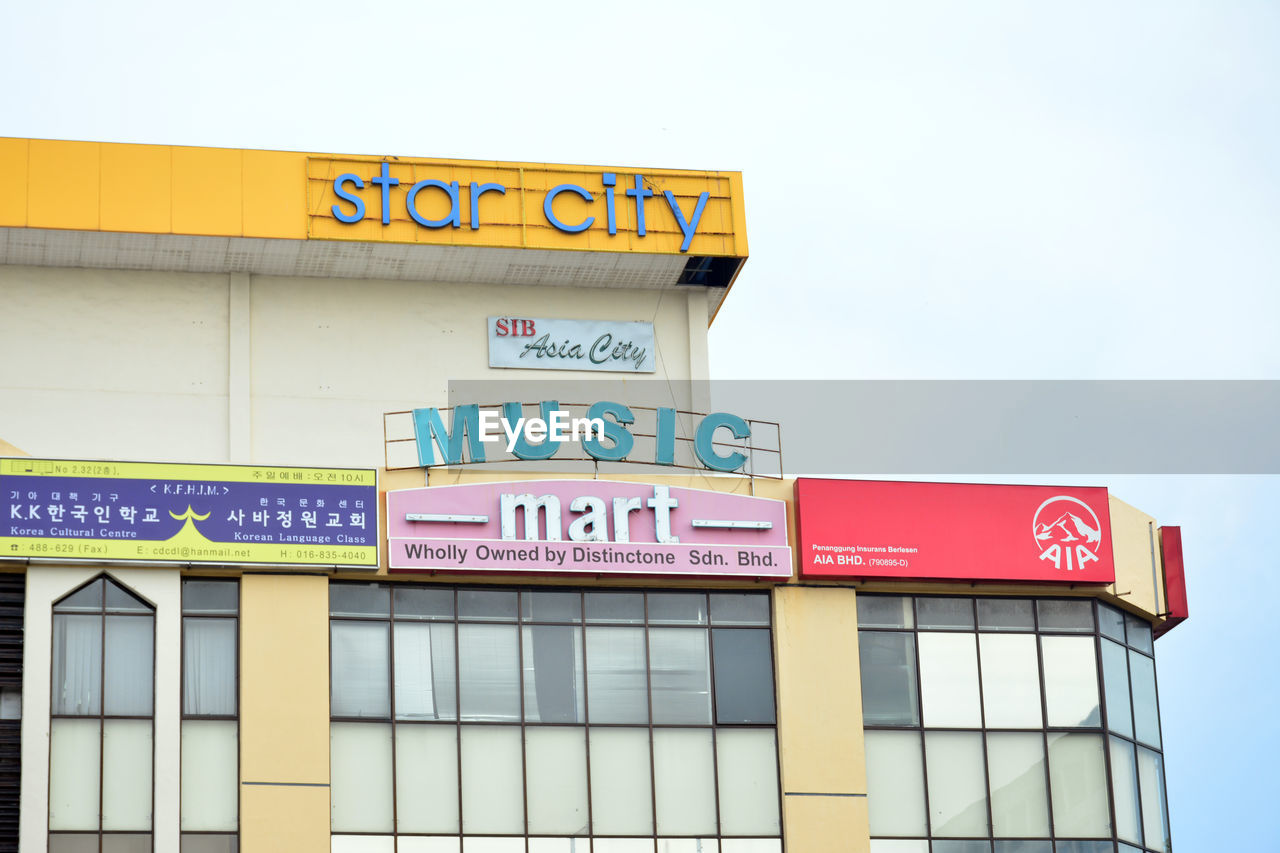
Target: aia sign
[(953, 531)]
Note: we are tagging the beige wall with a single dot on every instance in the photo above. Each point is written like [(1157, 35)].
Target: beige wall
[(824, 779), (235, 368), (284, 713)]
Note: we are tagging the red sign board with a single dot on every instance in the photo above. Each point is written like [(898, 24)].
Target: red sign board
[(953, 531)]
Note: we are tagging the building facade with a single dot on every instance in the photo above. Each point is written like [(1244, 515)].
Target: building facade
[(263, 586)]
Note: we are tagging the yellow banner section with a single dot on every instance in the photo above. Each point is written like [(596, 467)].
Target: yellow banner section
[(225, 192), (28, 467), (197, 551), (536, 206)]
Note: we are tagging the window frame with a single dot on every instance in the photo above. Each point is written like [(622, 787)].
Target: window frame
[(524, 617), (1103, 730), (102, 612)]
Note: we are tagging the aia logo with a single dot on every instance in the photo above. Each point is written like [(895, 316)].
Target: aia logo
[(1067, 532)]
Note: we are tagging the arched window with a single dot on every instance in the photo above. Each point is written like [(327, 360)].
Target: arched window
[(101, 733)]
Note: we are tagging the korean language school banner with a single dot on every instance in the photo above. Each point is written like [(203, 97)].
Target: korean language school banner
[(157, 512)]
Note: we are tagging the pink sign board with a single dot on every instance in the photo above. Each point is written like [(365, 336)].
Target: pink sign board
[(586, 527)]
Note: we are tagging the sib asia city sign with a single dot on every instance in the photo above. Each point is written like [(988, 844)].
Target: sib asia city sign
[(586, 526), (953, 531)]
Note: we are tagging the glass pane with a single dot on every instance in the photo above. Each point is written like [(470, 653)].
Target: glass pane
[(551, 607), (73, 843), (129, 666), (747, 767), (681, 845), (617, 681), (359, 599), (426, 670), (682, 608), (896, 845), (211, 597), (489, 672), (126, 844), (210, 844), (493, 845), (884, 611), (362, 844), (751, 845), (744, 675), (622, 845), (1111, 622), (77, 664), (10, 703), (73, 774), (949, 680), (426, 778), (553, 687), (888, 663), (121, 600), (621, 794), (1066, 615), (962, 846), (1124, 785), (1115, 679), (615, 607), (1082, 846), (410, 844), (1139, 633), (684, 781), (895, 783), (1071, 681), (210, 776), (556, 770), (1010, 681), (550, 845), (360, 777), (680, 675), (492, 781), (1146, 715), (1024, 846), (1155, 816), (957, 783), (208, 666), (1019, 799), (87, 598), (126, 775), (1078, 781), (739, 608), (416, 602), (360, 685), (487, 605), (944, 612), (1005, 614)]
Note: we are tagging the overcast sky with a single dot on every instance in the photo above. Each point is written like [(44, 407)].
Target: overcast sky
[(934, 190)]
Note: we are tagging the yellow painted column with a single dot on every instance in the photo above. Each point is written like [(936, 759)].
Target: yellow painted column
[(284, 714), (824, 779)]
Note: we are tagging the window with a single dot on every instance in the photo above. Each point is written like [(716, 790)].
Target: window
[(210, 708), (101, 753), (1009, 726), (485, 720)]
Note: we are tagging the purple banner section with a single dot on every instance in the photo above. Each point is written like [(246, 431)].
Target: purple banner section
[(294, 516), (587, 526)]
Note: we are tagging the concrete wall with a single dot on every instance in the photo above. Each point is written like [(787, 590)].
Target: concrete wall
[(190, 367)]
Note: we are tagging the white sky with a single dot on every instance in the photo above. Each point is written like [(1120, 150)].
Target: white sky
[(934, 190)]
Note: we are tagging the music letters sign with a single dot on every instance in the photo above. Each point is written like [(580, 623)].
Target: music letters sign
[(62, 509), (953, 531), (587, 527)]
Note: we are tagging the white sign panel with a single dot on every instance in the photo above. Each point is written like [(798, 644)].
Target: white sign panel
[(542, 344)]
